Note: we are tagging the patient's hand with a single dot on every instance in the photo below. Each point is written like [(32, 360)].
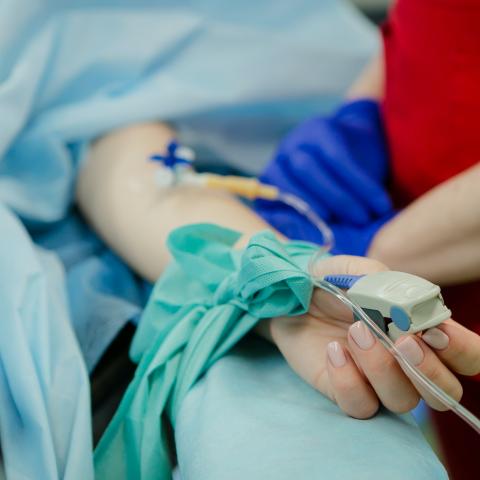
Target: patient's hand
[(348, 364)]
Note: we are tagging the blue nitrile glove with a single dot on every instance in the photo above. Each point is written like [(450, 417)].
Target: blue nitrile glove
[(348, 239), (354, 240), (338, 164)]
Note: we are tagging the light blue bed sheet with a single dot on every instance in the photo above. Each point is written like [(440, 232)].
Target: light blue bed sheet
[(252, 417), (232, 77), (44, 388)]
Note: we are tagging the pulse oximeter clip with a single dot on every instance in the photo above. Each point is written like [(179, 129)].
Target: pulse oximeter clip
[(399, 303)]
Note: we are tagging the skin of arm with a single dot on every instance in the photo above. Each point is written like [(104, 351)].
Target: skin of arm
[(117, 195), (370, 83), (438, 235)]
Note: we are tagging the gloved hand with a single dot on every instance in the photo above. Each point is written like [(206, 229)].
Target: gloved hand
[(337, 164), (348, 239), (354, 240)]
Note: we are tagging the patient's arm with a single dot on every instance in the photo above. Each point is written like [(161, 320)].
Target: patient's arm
[(438, 235), (117, 195)]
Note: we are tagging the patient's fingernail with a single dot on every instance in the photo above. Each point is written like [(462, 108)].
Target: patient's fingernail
[(436, 338), (362, 335), (411, 349), (336, 355)]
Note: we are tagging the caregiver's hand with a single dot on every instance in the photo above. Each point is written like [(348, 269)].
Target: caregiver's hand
[(348, 239), (338, 164), (347, 363)]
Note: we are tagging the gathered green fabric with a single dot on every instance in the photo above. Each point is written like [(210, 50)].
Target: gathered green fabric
[(209, 297)]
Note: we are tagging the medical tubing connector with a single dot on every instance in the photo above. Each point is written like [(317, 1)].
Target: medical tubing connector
[(245, 187)]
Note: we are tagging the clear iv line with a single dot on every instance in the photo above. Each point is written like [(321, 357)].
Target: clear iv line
[(304, 209)]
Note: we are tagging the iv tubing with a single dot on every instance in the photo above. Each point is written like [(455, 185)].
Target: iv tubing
[(252, 189)]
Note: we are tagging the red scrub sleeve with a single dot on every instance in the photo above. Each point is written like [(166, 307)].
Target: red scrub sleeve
[(431, 113), (432, 92)]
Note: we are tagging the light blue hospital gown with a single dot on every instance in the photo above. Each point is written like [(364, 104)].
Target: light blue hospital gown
[(232, 77)]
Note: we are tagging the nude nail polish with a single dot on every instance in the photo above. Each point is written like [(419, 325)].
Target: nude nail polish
[(336, 355), (436, 338), (362, 335), (411, 349)]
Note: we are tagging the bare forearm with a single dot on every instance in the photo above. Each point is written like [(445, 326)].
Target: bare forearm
[(438, 235), (370, 83), (117, 195)]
